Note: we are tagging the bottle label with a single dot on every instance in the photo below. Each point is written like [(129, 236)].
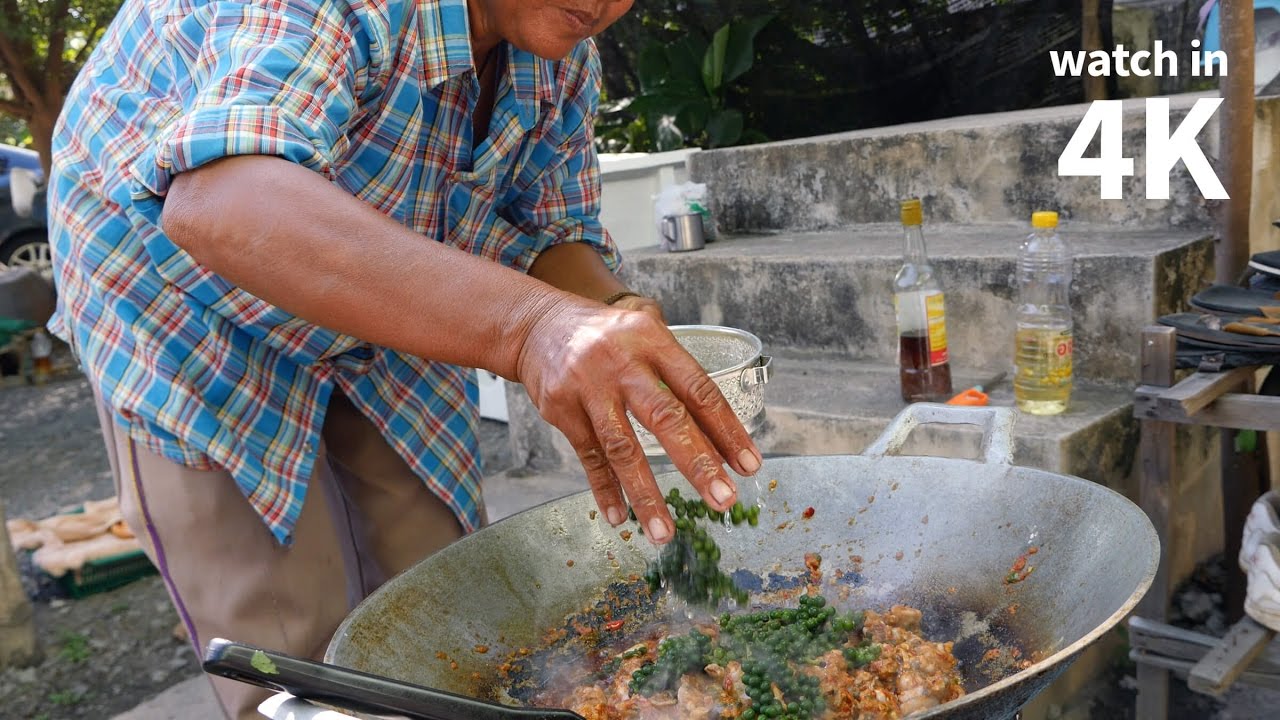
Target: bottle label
[(936, 315), (1062, 346)]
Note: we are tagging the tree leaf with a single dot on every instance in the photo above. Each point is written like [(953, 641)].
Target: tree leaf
[(685, 57), (740, 46), (692, 118), (713, 62), (652, 67), (724, 127), (660, 103)]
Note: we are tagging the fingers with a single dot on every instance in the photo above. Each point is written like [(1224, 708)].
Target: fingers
[(689, 449), (691, 385), (604, 484), (631, 469), (646, 305)]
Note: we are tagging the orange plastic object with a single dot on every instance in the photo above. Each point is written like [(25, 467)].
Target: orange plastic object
[(972, 396)]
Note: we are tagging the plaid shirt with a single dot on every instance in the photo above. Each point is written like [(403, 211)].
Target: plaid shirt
[(375, 95)]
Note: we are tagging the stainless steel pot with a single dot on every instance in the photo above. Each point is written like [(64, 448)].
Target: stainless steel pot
[(935, 533), (735, 359)]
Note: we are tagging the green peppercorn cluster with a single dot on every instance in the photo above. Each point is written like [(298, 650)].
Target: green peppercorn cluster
[(773, 647), (677, 655), (690, 563)]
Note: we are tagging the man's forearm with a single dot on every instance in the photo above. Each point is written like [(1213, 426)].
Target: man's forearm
[(576, 268), (286, 235)]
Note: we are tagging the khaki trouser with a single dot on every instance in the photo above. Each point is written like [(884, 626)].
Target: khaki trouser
[(365, 518)]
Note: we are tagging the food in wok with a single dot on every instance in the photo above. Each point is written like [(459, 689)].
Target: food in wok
[(809, 661), (800, 662)]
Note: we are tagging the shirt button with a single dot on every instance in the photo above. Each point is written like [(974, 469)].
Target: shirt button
[(307, 448)]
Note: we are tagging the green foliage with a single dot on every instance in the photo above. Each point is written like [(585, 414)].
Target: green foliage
[(66, 698), (13, 131), (75, 647), (684, 96), (43, 45), (700, 72)]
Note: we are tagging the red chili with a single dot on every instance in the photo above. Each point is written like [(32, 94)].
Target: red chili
[(613, 625), (808, 513)]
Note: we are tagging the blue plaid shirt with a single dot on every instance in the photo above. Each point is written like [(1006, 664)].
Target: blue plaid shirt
[(376, 96)]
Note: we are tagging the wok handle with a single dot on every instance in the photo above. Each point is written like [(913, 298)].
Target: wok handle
[(997, 424), (355, 691)]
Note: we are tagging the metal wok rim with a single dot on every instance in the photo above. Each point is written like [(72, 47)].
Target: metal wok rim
[(1044, 666)]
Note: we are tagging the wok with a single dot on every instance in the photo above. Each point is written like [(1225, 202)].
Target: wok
[(935, 533)]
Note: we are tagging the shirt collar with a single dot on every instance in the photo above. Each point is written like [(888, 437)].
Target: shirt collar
[(446, 40), (446, 51), (534, 80)]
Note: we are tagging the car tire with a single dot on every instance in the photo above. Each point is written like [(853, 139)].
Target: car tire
[(28, 249)]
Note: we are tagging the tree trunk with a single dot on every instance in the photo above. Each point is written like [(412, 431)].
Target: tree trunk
[(1095, 88), (1235, 140), (40, 125), (18, 646)]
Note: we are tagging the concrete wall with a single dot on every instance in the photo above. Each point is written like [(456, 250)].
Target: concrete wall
[(980, 168)]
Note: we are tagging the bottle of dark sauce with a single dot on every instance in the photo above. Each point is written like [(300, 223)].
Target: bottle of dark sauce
[(923, 364)]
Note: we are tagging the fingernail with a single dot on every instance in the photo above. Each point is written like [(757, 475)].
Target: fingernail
[(749, 461), (614, 515), (658, 531), (721, 491)]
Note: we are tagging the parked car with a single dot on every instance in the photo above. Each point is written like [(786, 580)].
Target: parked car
[(24, 231)]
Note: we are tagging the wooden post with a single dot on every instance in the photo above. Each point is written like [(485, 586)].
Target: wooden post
[(1156, 495), (1095, 88), (1235, 139), (18, 646)]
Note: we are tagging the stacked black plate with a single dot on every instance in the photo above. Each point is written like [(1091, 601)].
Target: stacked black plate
[(1204, 341)]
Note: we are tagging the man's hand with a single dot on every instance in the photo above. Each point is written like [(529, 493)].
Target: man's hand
[(584, 366), (644, 305)]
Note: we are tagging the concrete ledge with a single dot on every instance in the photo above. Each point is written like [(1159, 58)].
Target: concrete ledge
[(979, 168), (829, 291)]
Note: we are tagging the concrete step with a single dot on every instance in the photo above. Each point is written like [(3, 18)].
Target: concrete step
[(826, 406), (980, 168), (830, 291), (833, 406)]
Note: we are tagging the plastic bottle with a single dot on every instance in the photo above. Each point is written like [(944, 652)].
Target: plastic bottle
[(924, 367), (1043, 344), (41, 357)]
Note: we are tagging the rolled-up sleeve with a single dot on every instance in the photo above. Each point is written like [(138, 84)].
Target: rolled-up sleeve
[(564, 205), (280, 80)]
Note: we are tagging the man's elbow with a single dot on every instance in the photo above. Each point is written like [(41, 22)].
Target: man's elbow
[(186, 218)]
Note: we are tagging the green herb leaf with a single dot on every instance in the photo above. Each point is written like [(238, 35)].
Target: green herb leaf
[(263, 664)]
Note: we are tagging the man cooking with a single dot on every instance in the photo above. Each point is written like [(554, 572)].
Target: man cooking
[(283, 230)]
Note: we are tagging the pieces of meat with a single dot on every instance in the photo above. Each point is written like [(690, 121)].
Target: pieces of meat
[(697, 697), (589, 702), (911, 675)]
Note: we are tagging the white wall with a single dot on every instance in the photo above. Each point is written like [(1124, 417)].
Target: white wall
[(630, 181)]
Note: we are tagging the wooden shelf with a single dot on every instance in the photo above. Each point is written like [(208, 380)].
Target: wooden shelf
[(1248, 653)]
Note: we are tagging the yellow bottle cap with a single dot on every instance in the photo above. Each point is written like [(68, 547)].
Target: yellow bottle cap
[(1044, 219), (911, 212)]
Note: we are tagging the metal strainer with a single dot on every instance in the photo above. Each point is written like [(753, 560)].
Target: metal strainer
[(735, 360)]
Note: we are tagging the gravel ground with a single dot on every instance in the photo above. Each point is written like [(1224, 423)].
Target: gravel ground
[(108, 652)]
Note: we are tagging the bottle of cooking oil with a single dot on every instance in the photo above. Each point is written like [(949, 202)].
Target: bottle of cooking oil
[(923, 365), (1042, 379)]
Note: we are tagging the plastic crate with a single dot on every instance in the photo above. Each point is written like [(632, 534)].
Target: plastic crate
[(107, 573)]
